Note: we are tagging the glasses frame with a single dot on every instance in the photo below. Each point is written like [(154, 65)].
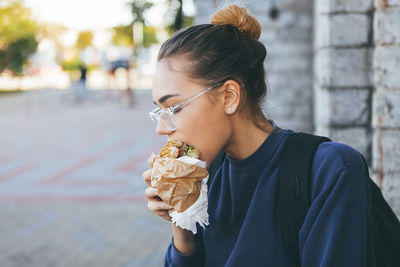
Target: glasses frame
[(157, 113)]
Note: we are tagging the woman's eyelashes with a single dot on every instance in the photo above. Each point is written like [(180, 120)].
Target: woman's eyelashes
[(177, 109)]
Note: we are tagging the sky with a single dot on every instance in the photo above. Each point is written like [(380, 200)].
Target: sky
[(94, 14)]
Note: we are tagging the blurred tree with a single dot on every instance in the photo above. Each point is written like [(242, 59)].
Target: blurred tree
[(17, 53), (85, 39), (122, 35), (149, 36), (53, 32), (138, 8), (178, 22), (17, 33), (180, 19)]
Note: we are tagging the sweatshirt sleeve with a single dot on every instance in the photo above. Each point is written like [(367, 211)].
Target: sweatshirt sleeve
[(336, 230), (174, 258)]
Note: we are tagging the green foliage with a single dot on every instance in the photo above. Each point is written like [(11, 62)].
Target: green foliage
[(138, 7), (123, 35), (180, 20), (187, 21), (16, 54), (15, 23), (10, 92), (149, 36), (71, 65), (85, 39), (17, 33)]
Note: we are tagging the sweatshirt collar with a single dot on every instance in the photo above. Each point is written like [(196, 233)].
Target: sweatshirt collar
[(263, 154)]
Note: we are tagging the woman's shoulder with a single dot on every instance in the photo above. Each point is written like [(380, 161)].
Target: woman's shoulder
[(338, 155), (332, 160)]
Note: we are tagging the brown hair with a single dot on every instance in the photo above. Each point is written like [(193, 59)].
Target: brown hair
[(226, 49)]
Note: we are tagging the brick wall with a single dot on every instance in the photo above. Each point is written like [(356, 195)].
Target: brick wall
[(357, 82), (386, 99), (342, 67)]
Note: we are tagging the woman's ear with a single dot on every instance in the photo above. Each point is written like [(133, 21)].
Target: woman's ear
[(232, 96)]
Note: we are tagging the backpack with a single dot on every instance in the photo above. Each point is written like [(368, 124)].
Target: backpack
[(294, 200)]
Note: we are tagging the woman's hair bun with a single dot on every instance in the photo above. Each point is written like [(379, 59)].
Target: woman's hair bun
[(238, 17)]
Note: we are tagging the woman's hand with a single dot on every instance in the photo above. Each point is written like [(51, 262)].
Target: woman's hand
[(183, 239), (155, 204)]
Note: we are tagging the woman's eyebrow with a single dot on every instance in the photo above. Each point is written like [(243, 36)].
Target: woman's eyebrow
[(164, 98)]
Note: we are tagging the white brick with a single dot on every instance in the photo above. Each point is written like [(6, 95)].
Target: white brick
[(380, 4), (386, 111), (289, 26), (277, 48), (289, 102), (294, 5), (329, 6), (289, 88), (347, 107), (321, 28), (288, 115), (386, 67), (391, 190), (321, 113), (387, 27), (296, 63), (255, 7), (386, 151), (354, 137), (341, 107), (343, 67), (204, 11), (342, 30)]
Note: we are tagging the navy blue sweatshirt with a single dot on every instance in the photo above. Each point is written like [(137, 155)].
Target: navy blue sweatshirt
[(244, 225)]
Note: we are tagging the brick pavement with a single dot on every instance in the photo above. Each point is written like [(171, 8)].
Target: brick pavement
[(71, 192)]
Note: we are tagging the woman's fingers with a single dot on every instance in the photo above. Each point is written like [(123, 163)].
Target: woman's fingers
[(158, 205), (155, 203), (164, 214), (147, 177), (160, 208), (151, 193)]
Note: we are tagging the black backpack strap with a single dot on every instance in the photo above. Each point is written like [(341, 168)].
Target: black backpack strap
[(219, 159), (385, 227), (294, 196)]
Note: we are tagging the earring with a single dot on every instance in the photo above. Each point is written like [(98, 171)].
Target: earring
[(230, 109)]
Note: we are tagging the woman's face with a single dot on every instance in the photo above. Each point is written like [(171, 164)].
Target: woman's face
[(202, 123)]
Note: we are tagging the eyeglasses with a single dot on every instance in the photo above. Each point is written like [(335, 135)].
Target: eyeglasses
[(166, 116)]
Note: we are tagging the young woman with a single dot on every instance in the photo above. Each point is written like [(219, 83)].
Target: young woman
[(217, 69)]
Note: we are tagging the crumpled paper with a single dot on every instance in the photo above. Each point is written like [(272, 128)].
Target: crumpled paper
[(182, 183)]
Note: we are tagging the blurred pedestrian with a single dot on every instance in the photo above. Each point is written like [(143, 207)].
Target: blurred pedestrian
[(83, 70), (80, 89)]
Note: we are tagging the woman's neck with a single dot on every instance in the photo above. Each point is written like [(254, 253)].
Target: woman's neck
[(246, 138)]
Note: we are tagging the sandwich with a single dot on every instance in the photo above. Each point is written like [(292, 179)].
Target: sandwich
[(181, 181), (176, 149)]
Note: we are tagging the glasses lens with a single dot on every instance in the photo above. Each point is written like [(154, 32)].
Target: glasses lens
[(153, 117), (166, 120)]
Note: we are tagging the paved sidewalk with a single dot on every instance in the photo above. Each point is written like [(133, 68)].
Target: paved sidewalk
[(71, 192)]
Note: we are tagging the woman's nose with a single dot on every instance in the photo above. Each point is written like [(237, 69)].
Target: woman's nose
[(162, 128)]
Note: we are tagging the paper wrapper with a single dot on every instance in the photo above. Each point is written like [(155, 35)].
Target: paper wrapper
[(182, 183)]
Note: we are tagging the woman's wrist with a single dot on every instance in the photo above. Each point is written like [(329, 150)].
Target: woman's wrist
[(184, 240)]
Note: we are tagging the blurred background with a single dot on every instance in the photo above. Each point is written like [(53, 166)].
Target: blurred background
[(75, 134), (75, 80)]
